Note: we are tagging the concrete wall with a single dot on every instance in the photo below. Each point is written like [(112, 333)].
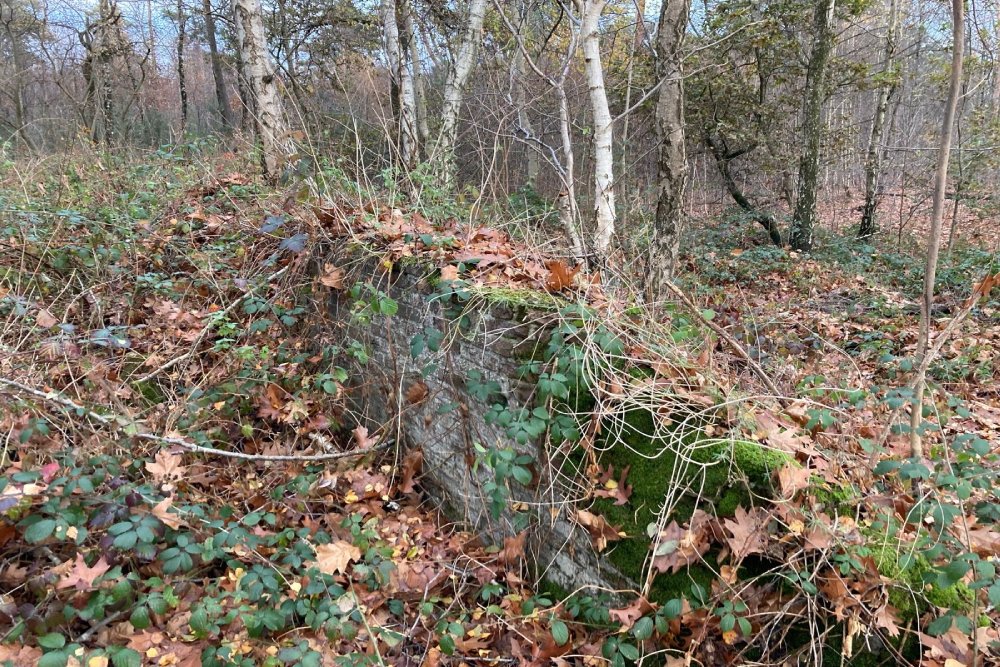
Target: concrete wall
[(448, 421)]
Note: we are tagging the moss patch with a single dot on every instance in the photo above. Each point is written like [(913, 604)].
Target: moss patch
[(725, 474)]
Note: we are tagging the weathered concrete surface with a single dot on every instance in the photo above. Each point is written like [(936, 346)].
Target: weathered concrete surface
[(448, 421)]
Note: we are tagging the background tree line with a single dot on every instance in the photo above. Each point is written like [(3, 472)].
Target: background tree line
[(607, 122)]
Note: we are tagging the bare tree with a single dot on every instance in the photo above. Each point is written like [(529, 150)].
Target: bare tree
[(937, 215), (221, 92), (885, 92), (672, 160), (181, 78), (460, 68), (269, 111), (801, 237), (404, 96), (604, 159)]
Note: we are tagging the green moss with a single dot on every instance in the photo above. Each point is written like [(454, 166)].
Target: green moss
[(841, 499), (516, 298), (911, 594), (731, 475)]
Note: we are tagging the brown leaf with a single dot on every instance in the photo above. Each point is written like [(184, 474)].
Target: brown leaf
[(412, 464), (333, 277), (513, 548), (449, 273), (335, 557), (792, 478), (601, 532), (362, 439), (417, 392), (81, 576), (168, 518), (560, 276), (749, 534), (627, 616), (675, 548), (166, 466), (612, 488), (45, 319)]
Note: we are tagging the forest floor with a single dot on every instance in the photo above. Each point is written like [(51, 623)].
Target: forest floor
[(151, 306)]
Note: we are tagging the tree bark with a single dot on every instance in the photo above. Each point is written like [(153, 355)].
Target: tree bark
[(221, 92), (17, 60), (604, 159), (723, 158), (269, 112), (461, 68), (937, 215), (406, 135), (672, 159), (181, 80), (804, 221), (873, 159)]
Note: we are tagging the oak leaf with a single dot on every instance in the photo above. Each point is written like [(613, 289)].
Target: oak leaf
[(333, 277), (601, 532), (82, 577), (334, 558), (749, 534), (165, 466)]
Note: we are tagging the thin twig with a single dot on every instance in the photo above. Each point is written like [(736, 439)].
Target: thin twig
[(118, 421), (204, 332), (730, 341)]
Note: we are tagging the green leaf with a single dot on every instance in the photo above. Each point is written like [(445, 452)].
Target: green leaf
[(643, 628), (629, 651), (522, 475), (140, 618), (199, 621), (126, 657), (55, 659), (52, 641), (560, 632), (673, 608), (727, 623), (745, 627), (39, 530)]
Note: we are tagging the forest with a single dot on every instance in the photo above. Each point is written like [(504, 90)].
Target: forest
[(499, 332)]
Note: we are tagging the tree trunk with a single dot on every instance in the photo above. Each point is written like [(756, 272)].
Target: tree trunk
[(672, 159), (722, 161), (524, 118), (873, 160), (221, 92), (937, 215), (409, 37), (404, 105), (801, 237), (181, 80), (20, 109), (269, 116), (604, 158), (454, 91)]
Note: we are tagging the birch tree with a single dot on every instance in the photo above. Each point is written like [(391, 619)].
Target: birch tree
[(875, 153), (181, 76), (590, 12), (269, 112), (672, 159), (804, 220), (460, 68), (404, 99)]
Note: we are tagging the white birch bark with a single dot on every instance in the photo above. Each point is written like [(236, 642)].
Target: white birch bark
[(462, 64), (405, 104), (269, 111), (604, 159)]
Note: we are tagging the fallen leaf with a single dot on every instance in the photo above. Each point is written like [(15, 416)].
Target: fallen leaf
[(81, 576), (332, 277), (334, 558), (560, 276), (601, 532), (417, 392), (169, 519), (412, 464), (749, 534), (449, 273), (45, 319), (165, 466)]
